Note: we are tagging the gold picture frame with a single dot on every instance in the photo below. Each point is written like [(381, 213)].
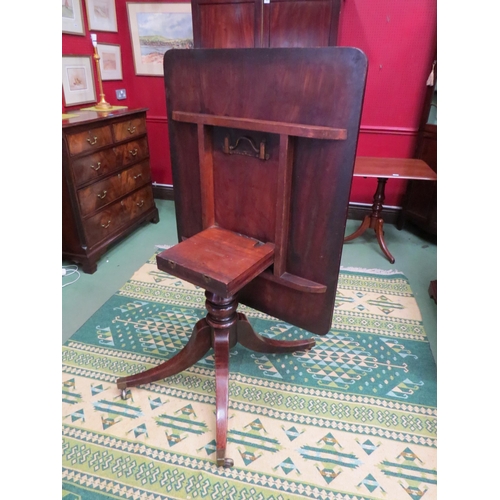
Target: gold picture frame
[(110, 61), (101, 15), (156, 28), (78, 80), (72, 20)]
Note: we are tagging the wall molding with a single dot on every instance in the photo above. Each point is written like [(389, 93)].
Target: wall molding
[(157, 119), (380, 130), (358, 212), (355, 211), (163, 191)]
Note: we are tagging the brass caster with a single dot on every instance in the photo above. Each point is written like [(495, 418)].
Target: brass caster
[(223, 461)]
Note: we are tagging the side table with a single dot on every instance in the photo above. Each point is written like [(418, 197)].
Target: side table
[(384, 169)]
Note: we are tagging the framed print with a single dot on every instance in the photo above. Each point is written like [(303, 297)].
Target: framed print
[(110, 61), (72, 21), (101, 15), (78, 80), (156, 28)]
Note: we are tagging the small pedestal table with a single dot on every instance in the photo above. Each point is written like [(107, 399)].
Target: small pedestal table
[(383, 169)]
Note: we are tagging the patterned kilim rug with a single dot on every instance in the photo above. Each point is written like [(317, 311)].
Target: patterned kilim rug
[(354, 418)]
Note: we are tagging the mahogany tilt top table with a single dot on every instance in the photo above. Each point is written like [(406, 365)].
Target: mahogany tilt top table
[(383, 169)]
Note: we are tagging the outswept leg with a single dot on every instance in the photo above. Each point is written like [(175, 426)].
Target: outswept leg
[(222, 328), (221, 351), (379, 231), (249, 338), (361, 229), (198, 345)]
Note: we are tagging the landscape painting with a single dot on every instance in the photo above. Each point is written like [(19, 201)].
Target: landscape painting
[(156, 28), (72, 17)]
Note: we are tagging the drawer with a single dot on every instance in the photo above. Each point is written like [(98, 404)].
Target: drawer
[(104, 192), (118, 215), (131, 152), (129, 129), (94, 166), (91, 139)]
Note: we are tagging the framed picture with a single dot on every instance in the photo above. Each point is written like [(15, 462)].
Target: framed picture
[(78, 80), (156, 28), (110, 61), (101, 15), (72, 21)]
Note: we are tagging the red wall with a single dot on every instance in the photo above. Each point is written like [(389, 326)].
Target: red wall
[(399, 39)]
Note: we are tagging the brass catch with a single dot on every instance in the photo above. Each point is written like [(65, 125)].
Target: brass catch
[(255, 152)]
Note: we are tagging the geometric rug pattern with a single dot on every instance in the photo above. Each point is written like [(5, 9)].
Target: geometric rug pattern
[(354, 418)]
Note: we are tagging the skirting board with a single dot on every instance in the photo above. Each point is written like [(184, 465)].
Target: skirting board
[(163, 192), (355, 212)]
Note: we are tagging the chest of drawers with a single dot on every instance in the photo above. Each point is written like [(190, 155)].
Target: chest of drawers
[(106, 189)]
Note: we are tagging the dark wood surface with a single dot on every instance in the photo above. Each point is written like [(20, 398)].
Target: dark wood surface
[(106, 182), (420, 201), (396, 168), (217, 260), (251, 23), (264, 221), (319, 88)]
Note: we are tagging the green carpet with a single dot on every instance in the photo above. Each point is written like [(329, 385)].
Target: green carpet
[(353, 418)]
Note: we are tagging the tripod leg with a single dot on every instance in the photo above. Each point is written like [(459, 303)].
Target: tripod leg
[(198, 345), (252, 340), (379, 231), (361, 229), (221, 316), (221, 348)]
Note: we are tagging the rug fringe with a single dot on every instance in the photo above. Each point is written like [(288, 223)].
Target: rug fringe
[(371, 271)]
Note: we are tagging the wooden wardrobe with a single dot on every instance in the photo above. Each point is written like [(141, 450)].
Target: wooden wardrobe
[(265, 23)]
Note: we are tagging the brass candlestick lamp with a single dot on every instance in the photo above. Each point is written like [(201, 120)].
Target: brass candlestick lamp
[(102, 105)]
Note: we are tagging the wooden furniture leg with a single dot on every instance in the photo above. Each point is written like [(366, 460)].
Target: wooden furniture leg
[(379, 231), (361, 229), (375, 220), (250, 339), (198, 345), (222, 328), (222, 319)]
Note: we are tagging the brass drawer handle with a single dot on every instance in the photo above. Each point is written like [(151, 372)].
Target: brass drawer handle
[(137, 176), (105, 226), (140, 204), (133, 152), (92, 141), (131, 129), (98, 166), (103, 195)]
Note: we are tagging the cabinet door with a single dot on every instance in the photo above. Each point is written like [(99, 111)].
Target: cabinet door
[(256, 23), (220, 24), (303, 23)]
